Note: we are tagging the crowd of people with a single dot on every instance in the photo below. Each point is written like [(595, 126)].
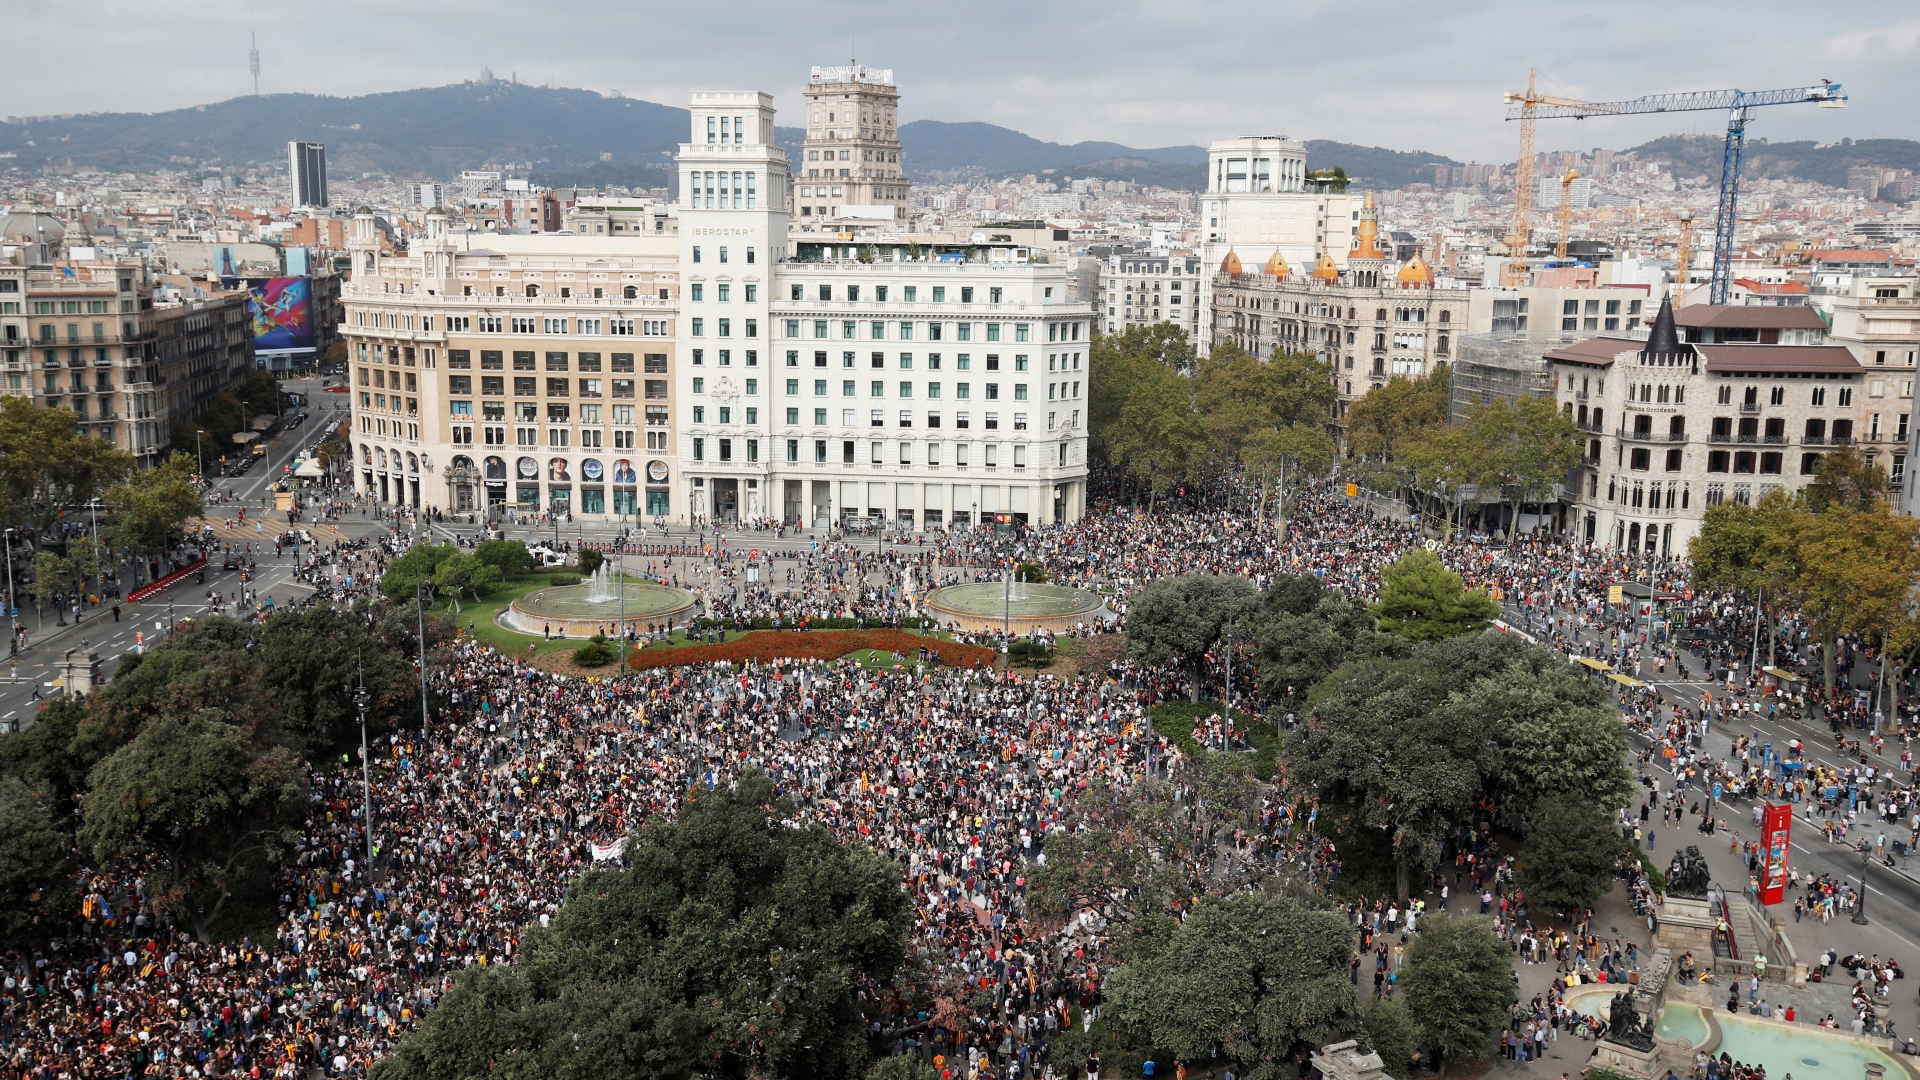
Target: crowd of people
[(526, 778)]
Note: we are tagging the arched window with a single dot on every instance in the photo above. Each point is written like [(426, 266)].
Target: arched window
[(533, 290), (1380, 315), (1446, 316), (631, 293)]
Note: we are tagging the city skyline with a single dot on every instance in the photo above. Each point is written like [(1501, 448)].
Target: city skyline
[(1192, 84)]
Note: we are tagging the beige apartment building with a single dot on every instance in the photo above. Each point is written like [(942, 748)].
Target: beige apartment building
[(86, 336), (1676, 426), (852, 165), (495, 371)]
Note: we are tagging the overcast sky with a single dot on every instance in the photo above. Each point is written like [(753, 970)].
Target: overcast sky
[(1404, 75)]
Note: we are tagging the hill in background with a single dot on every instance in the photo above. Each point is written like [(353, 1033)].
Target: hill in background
[(580, 137), (1819, 163)]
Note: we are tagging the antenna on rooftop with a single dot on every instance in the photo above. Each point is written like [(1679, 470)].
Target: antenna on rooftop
[(253, 62)]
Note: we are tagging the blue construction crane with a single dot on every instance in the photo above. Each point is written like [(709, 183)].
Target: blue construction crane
[(1739, 105)]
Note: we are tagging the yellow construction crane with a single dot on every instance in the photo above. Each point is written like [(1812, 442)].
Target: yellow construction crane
[(1521, 231), (1683, 263), (1566, 213)]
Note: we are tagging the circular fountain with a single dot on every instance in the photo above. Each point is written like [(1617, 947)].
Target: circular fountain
[(596, 606), (990, 605)]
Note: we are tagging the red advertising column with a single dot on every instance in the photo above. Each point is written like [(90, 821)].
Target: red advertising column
[(1776, 830)]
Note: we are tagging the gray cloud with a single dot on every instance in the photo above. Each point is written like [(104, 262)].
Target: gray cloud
[(1404, 75)]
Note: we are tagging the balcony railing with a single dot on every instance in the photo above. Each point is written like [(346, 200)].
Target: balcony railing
[(1750, 406), (1774, 440), (1813, 440)]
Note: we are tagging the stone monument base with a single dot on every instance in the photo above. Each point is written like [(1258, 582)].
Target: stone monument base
[(1627, 1061)]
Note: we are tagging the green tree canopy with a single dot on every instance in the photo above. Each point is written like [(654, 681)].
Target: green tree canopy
[(1176, 620), (47, 468), (1423, 600), (1297, 648), (312, 661), (1572, 849), (198, 802), (1252, 978), (737, 943), (145, 509), (1555, 730), (1459, 981), (37, 891), (510, 557), (418, 564), (1846, 479)]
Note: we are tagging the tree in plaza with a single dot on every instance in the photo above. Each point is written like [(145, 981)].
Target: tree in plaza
[(36, 865), (510, 557), (201, 803), (1535, 445), (1120, 851), (1459, 982), (1160, 437), (312, 662), (466, 573), (1391, 1032), (1283, 461), (89, 557), (1298, 644), (47, 467), (1397, 415), (590, 560), (901, 1067), (737, 943), (1377, 750), (205, 669), (1573, 847), (41, 756), (418, 564), (51, 576), (1856, 572), (1423, 600), (1118, 364), (1846, 478), (144, 510), (1252, 978), (1556, 733), (1176, 620), (1453, 465)]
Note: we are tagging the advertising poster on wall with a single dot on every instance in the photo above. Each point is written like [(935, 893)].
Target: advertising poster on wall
[(282, 310)]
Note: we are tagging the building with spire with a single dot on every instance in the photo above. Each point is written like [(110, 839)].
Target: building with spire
[(851, 165), (1677, 424), (1366, 318)]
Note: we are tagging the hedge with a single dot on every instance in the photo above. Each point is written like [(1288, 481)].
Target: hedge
[(812, 623), (821, 645)]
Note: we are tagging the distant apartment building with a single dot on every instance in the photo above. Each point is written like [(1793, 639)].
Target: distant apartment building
[(1139, 289), (319, 233), (427, 194), (85, 335), (1368, 322), (851, 158), (307, 174), (604, 215), (1259, 201)]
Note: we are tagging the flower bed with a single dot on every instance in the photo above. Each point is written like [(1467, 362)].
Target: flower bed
[(766, 646)]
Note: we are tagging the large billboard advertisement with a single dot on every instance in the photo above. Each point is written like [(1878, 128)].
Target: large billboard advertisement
[(282, 310)]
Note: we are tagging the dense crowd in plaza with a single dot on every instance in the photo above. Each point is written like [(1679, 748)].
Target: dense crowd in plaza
[(526, 778)]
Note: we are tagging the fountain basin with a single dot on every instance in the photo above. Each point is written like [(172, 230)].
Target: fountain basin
[(596, 607), (990, 605), (1802, 1048)]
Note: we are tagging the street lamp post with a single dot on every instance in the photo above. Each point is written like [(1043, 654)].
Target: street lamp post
[(361, 700), (420, 607)]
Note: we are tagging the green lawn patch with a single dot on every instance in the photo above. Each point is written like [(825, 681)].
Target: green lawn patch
[(1177, 720)]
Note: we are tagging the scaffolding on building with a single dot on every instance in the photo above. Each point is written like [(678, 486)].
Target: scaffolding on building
[(1500, 367)]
